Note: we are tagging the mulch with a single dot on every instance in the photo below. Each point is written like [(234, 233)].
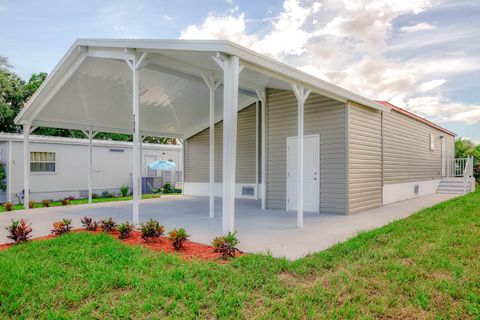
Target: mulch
[(190, 250)]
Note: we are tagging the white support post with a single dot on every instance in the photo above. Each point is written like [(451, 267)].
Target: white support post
[(301, 94), (90, 166), (263, 145), (10, 171), (257, 118), (90, 134), (26, 165), (135, 65), (212, 86), (182, 164), (231, 69)]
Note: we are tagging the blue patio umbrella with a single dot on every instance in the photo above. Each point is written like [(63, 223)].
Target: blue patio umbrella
[(162, 165)]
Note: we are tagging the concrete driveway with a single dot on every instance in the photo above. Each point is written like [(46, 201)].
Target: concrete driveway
[(272, 231)]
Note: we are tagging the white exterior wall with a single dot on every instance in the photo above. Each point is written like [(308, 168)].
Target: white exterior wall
[(404, 191), (202, 189), (111, 170)]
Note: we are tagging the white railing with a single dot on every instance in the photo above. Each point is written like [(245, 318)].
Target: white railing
[(456, 167), (467, 174)]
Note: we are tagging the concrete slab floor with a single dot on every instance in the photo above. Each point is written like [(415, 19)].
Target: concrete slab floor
[(267, 231)]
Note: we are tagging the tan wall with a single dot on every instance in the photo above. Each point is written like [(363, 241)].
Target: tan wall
[(407, 156), (197, 151), (365, 158), (323, 116)]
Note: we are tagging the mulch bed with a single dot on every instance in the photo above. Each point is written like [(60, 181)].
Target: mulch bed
[(190, 250)]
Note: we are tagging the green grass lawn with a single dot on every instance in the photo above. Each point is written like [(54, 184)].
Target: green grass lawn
[(94, 200), (425, 266)]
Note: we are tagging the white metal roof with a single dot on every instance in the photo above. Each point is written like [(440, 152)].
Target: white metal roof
[(91, 87), (15, 137)]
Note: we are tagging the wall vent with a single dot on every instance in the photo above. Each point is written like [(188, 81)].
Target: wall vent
[(248, 191), (117, 150), (416, 189)]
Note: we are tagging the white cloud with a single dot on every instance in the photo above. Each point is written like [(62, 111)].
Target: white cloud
[(432, 84), (442, 109), (167, 17), (418, 27), (226, 27), (346, 42)]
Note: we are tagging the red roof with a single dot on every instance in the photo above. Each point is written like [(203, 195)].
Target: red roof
[(416, 117)]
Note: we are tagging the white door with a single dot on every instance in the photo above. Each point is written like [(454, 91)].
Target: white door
[(311, 174)]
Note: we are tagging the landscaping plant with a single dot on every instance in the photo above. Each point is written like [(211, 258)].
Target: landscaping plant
[(89, 223), (62, 227), (19, 231), (151, 230), (124, 190), (108, 225), (178, 237), (65, 201), (46, 203), (226, 245), (8, 206), (168, 188), (125, 229), (31, 204)]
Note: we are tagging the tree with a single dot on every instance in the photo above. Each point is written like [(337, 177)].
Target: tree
[(465, 148)]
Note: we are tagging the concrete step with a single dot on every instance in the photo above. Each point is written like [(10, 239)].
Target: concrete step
[(451, 186)]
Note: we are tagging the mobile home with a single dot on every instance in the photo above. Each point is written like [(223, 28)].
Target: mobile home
[(59, 166)]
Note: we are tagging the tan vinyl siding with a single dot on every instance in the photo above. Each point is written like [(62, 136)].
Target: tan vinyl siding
[(365, 158), (197, 151), (407, 156), (323, 116)]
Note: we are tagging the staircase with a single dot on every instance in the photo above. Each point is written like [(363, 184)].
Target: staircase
[(451, 186), (458, 180)]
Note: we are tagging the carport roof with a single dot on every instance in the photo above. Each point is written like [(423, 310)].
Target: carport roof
[(91, 87)]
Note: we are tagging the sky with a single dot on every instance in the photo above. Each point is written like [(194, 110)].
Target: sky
[(422, 55)]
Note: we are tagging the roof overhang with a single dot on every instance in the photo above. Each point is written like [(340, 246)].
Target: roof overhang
[(90, 88)]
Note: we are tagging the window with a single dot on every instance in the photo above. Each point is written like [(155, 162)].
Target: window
[(42, 161), (432, 142)]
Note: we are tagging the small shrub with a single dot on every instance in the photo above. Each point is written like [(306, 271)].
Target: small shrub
[(65, 201), (178, 237), (62, 227), (124, 190), (226, 245), (70, 198), (108, 225), (8, 206), (31, 204), (151, 230), (106, 194), (19, 231), (94, 195), (46, 203), (125, 229), (89, 223), (168, 188)]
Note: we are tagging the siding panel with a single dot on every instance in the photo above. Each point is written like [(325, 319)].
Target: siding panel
[(323, 116), (407, 154), (197, 151), (365, 158)]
